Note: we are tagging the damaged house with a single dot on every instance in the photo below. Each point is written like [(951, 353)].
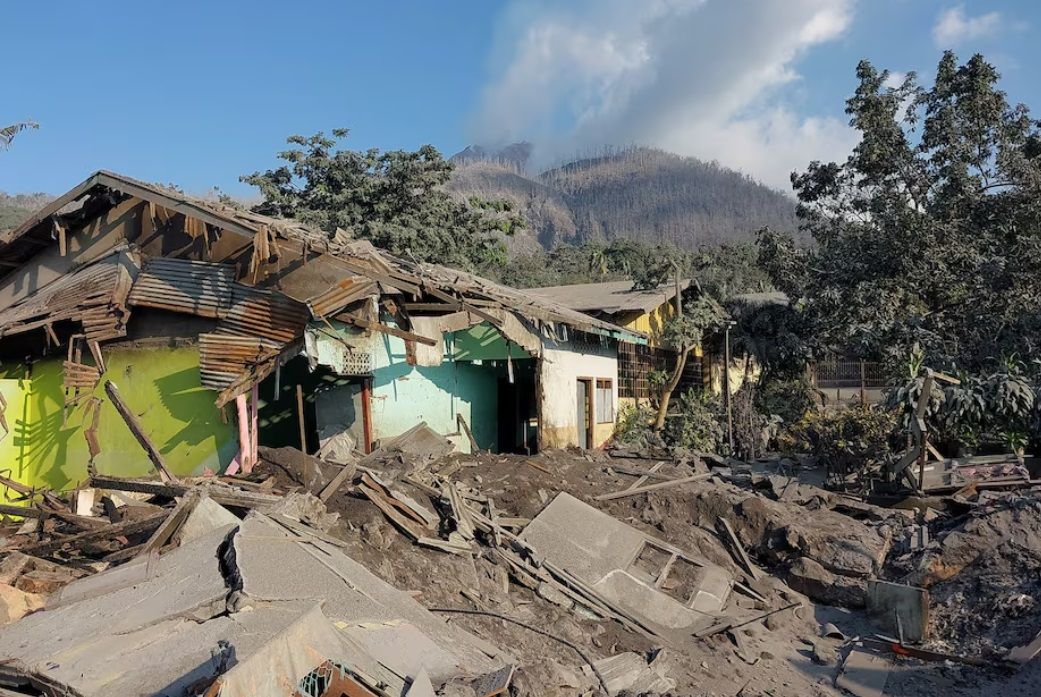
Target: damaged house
[(135, 317), (643, 310)]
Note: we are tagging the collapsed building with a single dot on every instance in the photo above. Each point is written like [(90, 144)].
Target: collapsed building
[(134, 315)]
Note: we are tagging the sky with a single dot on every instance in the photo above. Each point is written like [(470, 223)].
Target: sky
[(199, 93)]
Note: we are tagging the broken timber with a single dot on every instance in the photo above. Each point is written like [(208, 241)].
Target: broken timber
[(653, 487), (129, 527), (128, 416)]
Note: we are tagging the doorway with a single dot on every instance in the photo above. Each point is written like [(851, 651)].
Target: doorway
[(584, 416)]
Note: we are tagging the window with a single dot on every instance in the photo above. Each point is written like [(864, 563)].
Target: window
[(604, 401)]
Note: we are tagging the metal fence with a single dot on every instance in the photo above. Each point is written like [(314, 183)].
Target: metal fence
[(847, 372)]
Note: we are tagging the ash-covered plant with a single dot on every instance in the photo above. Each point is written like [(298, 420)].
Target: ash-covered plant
[(697, 423), (845, 442), (633, 426)]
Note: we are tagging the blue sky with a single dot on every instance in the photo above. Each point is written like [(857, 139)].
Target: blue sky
[(198, 93)]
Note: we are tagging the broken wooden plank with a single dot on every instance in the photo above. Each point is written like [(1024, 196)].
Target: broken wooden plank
[(118, 529), (643, 474), (460, 513), (21, 511), (332, 487), (395, 516), (739, 550), (403, 503), (363, 323), (168, 527), (474, 448), (141, 486), (135, 428), (653, 487)]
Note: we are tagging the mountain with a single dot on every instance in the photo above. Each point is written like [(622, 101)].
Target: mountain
[(15, 209), (638, 193)]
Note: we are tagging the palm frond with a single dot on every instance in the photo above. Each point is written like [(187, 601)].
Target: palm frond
[(7, 133)]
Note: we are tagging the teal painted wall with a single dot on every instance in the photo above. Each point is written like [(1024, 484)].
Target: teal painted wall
[(403, 395)]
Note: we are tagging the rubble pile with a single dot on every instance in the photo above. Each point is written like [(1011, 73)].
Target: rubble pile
[(561, 574), (983, 573)]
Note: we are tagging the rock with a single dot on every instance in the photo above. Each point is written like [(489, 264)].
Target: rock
[(42, 582), (16, 604), (306, 508), (810, 578), (308, 471), (823, 654)]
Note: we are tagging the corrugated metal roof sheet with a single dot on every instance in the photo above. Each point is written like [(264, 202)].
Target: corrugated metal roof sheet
[(223, 358), (181, 285), (263, 313), (344, 293), (609, 297), (94, 295)]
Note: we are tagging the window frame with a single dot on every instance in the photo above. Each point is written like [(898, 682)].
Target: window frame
[(603, 385)]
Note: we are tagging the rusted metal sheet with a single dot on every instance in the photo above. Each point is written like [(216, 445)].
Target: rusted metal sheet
[(262, 313), (79, 375), (223, 358), (181, 285), (344, 293), (94, 295)]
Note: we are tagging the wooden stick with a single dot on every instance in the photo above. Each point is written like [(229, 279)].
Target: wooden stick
[(300, 417), (128, 416), (474, 448), (653, 487), (644, 475), (739, 551), (171, 525)]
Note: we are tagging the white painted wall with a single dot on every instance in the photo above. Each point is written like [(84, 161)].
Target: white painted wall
[(562, 365)]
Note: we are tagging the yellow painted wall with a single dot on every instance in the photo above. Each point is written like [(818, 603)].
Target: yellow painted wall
[(160, 385), (651, 324)]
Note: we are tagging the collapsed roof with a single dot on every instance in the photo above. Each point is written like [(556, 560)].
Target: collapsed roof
[(112, 244), (254, 605)]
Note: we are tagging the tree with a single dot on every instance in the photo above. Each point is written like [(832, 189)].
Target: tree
[(7, 133), (929, 233), (395, 198), (683, 332)]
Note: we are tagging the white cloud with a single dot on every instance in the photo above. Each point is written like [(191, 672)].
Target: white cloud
[(953, 26), (698, 77)]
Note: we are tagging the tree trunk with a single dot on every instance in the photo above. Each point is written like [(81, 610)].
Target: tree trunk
[(670, 387)]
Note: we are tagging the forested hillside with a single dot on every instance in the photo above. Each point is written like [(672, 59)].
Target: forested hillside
[(636, 193), (15, 209)]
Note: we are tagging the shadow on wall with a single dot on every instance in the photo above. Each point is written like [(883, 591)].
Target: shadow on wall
[(181, 394), (161, 386), (404, 395)]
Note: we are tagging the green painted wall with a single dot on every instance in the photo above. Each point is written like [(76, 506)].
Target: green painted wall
[(483, 342), (160, 385)]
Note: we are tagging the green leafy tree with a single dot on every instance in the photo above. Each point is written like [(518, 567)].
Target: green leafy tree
[(929, 234), (396, 199)]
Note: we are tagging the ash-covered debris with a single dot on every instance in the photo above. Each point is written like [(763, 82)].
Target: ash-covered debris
[(561, 574), (983, 572)]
